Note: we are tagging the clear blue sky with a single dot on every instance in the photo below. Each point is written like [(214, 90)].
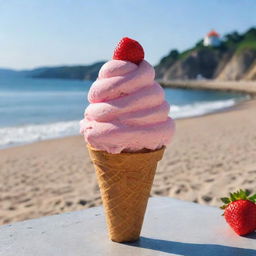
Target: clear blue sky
[(54, 32)]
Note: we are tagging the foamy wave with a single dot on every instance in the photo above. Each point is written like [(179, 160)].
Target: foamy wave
[(199, 109), (24, 134)]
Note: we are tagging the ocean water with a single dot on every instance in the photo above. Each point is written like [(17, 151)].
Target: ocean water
[(37, 109)]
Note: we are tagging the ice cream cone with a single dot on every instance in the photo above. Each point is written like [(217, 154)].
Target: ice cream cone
[(125, 181)]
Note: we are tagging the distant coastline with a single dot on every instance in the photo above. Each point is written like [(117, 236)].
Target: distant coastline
[(248, 87), (75, 72), (234, 59)]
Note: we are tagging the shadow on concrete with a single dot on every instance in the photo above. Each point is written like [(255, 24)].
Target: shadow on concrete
[(190, 249)]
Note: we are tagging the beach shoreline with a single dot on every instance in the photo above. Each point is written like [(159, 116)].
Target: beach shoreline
[(210, 156), (248, 87)]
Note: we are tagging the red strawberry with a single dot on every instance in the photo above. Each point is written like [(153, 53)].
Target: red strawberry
[(130, 50), (240, 212)]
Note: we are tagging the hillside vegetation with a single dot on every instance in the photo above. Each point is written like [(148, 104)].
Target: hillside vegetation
[(89, 72), (234, 59)]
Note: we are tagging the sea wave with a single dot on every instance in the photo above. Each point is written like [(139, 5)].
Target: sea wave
[(11, 136), (201, 108)]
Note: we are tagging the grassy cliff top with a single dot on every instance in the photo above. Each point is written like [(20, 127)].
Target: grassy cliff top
[(232, 41)]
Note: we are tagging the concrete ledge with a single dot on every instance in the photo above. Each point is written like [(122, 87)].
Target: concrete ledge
[(170, 227)]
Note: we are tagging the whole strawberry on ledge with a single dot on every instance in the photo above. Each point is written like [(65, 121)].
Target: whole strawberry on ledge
[(240, 211)]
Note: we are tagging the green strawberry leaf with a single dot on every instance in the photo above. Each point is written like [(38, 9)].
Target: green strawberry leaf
[(242, 194), (225, 200), (247, 192), (232, 196), (252, 198)]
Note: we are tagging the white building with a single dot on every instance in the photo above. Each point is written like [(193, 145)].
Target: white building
[(212, 39)]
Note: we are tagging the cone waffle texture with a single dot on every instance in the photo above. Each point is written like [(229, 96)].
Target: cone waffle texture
[(125, 181)]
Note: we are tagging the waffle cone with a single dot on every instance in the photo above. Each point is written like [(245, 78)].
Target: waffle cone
[(125, 181)]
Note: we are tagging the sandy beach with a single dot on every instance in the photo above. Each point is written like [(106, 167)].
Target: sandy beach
[(209, 157), (213, 84)]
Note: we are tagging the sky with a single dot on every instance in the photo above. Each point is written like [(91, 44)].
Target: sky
[(36, 33)]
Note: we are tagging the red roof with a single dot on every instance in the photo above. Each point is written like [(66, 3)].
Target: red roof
[(213, 33)]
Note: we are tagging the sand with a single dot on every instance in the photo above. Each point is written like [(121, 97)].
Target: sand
[(235, 86), (209, 157)]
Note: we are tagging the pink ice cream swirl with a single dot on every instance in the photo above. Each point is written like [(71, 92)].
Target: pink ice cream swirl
[(127, 111)]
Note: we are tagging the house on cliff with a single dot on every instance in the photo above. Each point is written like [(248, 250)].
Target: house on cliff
[(212, 39)]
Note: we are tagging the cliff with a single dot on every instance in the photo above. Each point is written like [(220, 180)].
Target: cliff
[(234, 59)]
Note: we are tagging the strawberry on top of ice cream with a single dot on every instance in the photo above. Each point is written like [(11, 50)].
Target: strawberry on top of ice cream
[(127, 110)]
